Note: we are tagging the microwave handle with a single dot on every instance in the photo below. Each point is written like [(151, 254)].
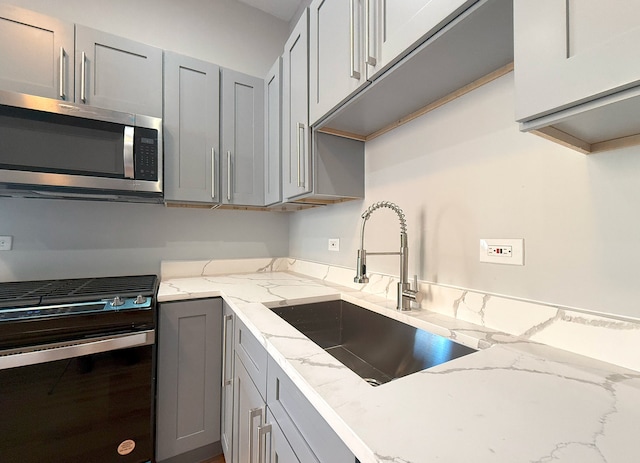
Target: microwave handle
[(127, 152)]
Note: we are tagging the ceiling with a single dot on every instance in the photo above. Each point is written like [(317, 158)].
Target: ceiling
[(283, 9)]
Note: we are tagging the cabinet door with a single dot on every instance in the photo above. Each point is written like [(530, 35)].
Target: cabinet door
[(281, 448), (336, 54), (395, 28), (273, 138), (189, 372), (572, 51), (191, 129), (242, 115), (296, 154), (226, 427), (116, 73), (36, 54), (249, 409)]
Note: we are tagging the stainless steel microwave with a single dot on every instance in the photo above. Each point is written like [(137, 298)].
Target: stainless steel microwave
[(51, 148)]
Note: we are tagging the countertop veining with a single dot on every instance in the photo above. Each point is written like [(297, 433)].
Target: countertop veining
[(513, 400)]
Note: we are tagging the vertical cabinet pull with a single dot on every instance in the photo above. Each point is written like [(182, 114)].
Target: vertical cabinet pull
[(228, 175), (262, 443), (252, 414), (354, 73), (370, 59), (213, 174), (83, 78), (61, 93), (300, 138), (227, 319)]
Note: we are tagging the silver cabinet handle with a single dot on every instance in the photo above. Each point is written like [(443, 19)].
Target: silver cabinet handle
[(262, 442), (213, 173), (300, 133), (252, 414), (354, 74), (127, 152), (83, 78), (228, 175), (225, 381), (371, 60), (62, 94), (70, 349)]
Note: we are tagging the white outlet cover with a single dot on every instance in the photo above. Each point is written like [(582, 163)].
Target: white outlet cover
[(517, 251), (5, 243), (334, 244)]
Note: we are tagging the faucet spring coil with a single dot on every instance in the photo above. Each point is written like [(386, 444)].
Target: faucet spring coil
[(388, 204)]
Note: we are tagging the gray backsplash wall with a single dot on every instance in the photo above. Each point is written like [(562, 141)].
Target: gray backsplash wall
[(464, 172), (70, 239)]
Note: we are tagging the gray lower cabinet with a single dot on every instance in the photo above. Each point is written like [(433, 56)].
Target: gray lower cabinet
[(188, 380), (191, 130), (226, 421), (249, 410), (272, 420), (242, 139), (310, 436)]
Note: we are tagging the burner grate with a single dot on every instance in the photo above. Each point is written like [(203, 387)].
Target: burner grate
[(74, 290)]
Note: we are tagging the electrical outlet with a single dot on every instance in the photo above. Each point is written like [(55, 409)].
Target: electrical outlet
[(502, 251), (334, 244), (5, 243)]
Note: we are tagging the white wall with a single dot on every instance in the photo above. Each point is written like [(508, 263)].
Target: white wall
[(225, 32), (465, 172), (57, 239), (72, 239)]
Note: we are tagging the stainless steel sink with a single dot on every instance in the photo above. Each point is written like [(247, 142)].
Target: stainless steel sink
[(377, 348)]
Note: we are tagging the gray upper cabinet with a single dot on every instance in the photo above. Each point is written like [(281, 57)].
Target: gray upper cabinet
[(36, 54), (242, 116), (273, 135), (191, 130), (116, 73), (336, 54), (296, 155), (40, 55), (394, 28), (422, 54), (189, 376), (577, 74)]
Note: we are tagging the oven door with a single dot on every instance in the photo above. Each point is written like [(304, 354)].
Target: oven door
[(88, 402)]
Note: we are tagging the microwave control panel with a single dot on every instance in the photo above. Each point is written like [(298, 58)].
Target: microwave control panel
[(145, 147)]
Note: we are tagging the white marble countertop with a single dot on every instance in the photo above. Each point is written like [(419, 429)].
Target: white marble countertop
[(512, 401)]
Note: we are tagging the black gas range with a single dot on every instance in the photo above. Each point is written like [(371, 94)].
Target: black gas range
[(77, 363)]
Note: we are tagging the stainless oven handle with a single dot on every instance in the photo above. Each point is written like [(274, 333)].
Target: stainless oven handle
[(127, 152), (71, 349)]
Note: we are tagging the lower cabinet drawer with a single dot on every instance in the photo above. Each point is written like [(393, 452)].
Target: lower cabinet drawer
[(288, 406)]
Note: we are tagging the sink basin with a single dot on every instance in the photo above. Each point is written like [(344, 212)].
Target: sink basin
[(377, 348)]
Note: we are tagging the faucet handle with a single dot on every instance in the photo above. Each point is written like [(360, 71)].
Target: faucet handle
[(417, 294)]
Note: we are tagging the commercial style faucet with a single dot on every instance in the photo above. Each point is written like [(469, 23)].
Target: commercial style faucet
[(405, 294)]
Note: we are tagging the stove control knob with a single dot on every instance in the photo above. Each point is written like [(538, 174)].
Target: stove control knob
[(140, 299), (117, 301)]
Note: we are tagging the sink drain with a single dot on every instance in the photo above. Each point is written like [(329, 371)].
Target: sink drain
[(372, 381)]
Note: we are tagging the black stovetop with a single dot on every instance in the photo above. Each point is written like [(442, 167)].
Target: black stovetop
[(44, 292)]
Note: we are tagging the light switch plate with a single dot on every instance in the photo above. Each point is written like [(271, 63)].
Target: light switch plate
[(502, 251), (5, 243)]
